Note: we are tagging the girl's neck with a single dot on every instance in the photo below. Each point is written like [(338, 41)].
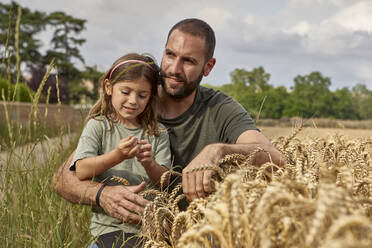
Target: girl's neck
[(125, 122)]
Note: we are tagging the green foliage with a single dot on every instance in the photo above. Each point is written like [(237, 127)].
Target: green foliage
[(23, 93), (33, 22), (343, 105), (65, 46), (309, 97), (275, 102), (33, 214), (362, 101), (257, 79)]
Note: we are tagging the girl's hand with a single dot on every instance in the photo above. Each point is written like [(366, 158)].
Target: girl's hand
[(144, 154), (128, 147)]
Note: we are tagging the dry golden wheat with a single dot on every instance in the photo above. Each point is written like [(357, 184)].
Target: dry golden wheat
[(322, 197)]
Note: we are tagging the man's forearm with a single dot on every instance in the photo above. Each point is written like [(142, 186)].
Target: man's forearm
[(68, 185)]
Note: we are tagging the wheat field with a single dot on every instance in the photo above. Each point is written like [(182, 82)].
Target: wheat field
[(321, 198)]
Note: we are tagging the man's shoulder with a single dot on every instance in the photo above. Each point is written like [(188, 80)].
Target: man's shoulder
[(212, 95)]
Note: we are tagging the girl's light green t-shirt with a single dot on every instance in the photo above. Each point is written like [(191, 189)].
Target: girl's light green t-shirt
[(97, 139)]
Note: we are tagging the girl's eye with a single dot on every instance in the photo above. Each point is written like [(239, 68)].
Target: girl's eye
[(142, 96), (125, 92)]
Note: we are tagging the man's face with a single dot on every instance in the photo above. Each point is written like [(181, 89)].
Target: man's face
[(183, 64)]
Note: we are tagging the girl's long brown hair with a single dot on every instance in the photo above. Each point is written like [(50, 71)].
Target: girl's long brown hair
[(126, 72)]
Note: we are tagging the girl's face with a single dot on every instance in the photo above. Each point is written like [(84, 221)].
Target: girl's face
[(129, 99)]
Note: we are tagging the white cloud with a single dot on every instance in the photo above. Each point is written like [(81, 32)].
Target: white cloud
[(301, 28), (296, 3), (215, 17), (364, 72), (357, 17), (249, 19), (286, 37)]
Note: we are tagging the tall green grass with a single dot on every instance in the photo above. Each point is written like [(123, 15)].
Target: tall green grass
[(31, 213)]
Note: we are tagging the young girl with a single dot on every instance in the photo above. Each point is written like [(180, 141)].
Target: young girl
[(122, 137)]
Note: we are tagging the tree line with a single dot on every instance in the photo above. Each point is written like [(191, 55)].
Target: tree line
[(309, 97), (64, 47), (20, 27)]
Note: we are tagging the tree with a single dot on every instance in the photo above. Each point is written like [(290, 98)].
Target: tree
[(62, 93), (310, 97), (257, 79), (32, 22), (65, 44), (77, 90), (343, 105), (362, 101), (275, 102)]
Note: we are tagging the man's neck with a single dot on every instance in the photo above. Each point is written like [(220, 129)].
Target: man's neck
[(170, 107)]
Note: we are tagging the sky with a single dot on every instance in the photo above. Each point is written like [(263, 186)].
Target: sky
[(286, 37)]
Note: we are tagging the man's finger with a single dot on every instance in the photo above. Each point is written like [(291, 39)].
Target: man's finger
[(190, 188), (128, 217), (199, 188), (185, 185), (207, 181), (130, 206)]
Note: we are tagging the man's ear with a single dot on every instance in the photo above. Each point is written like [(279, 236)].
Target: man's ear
[(209, 66), (108, 87)]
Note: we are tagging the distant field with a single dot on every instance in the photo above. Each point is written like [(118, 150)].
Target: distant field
[(273, 132)]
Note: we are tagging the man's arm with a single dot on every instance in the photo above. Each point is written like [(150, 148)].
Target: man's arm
[(68, 185), (117, 201), (197, 184)]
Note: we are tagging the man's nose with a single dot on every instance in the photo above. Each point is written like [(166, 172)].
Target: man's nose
[(176, 67)]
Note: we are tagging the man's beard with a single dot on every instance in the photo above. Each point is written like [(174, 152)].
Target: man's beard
[(186, 90)]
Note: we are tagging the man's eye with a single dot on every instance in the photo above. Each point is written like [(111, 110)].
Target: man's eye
[(169, 54)]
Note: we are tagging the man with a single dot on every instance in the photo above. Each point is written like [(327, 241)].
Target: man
[(204, 125)]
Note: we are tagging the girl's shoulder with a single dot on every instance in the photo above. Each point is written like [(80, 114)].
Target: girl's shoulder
[(163, 131), (100, 122)]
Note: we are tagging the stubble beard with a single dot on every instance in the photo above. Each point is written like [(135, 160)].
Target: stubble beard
[(183, 92)]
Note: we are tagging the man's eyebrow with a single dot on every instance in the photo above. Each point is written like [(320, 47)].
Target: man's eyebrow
[(188, 58), (168, 50)]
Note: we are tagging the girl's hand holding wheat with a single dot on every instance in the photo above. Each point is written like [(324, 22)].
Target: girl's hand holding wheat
[(128, 147), (144, 154)]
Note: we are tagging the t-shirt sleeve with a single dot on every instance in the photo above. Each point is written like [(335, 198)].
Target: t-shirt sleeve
[(162, 153), (90, 141), (232, 120)]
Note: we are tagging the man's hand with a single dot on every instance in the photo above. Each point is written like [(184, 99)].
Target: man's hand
[(198, 183), (124, 203)]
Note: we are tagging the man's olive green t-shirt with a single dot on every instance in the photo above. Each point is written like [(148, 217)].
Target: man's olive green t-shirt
[(98, 138), (214, 117)]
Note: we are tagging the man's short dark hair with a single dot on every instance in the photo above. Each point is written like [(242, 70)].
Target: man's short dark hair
[(199, 28)]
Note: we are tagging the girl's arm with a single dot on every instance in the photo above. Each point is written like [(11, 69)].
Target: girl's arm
[(152, 168), (93, 166)]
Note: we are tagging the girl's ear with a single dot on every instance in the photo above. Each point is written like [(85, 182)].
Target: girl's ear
[(108, 87)]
